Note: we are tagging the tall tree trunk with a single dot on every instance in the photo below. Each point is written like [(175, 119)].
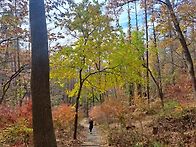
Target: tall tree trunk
[(160, 88), (15, 88), (129, 22), (147, 54), (157, 84), (188, 58), (43, 132), (19, 87), (93, 97), (139, 86), (193, 40), (77, 105), (172, 60), (171, 50), (136, 20), (131, 93)]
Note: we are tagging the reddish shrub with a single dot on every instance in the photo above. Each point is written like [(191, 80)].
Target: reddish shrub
[(16, 125), (63, 116), (25, 113), (181, 90), (7, 116), (110, 110)]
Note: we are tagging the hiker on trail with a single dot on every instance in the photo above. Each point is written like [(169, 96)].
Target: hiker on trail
[(91, 125)]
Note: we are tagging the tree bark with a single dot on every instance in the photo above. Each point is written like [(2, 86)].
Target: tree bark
[(147, 54), (93, 97), (43, 131), (160, 87), (131, 94), (129, 22), (172, 58), (157, 84), (136, 19), (182, 40), (77, 105)]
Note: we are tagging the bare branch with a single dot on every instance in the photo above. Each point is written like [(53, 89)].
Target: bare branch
[(4, 40), (92, 85), (98, 71), (179, 66), (8, 39), (162, 2), (7, 84), (122, 4), (151, 74)]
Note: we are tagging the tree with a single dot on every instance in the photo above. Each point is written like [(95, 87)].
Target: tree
[(13, 37), (185, 13), (84, 58), (147, 52), (184, 46), (42, 117)]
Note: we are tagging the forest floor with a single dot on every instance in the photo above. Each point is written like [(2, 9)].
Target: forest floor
[(175, 126), (172, 127)]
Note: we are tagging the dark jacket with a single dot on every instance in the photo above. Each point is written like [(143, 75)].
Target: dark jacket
[(90, 124)]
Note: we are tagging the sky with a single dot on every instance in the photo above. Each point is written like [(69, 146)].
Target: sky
[(123, 20)]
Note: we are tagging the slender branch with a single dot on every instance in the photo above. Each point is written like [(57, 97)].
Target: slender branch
[(8, 39), (4, 40), (129, 1), (162, 2), (180, 56), (179, 66), (122, 4), (92, 85), (155, 81), (8, 83), (104, 72), (99, 71)]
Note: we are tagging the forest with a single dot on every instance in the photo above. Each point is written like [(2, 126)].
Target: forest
[(126, 68)]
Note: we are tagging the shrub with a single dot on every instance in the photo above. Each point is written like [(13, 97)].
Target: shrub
[(7, 116), (140, 103), (16, 134), (111, 110), (172, 108), (123, 138), (63, 116), (16, 125), (25, 113), (156, 144), (171, 104)]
